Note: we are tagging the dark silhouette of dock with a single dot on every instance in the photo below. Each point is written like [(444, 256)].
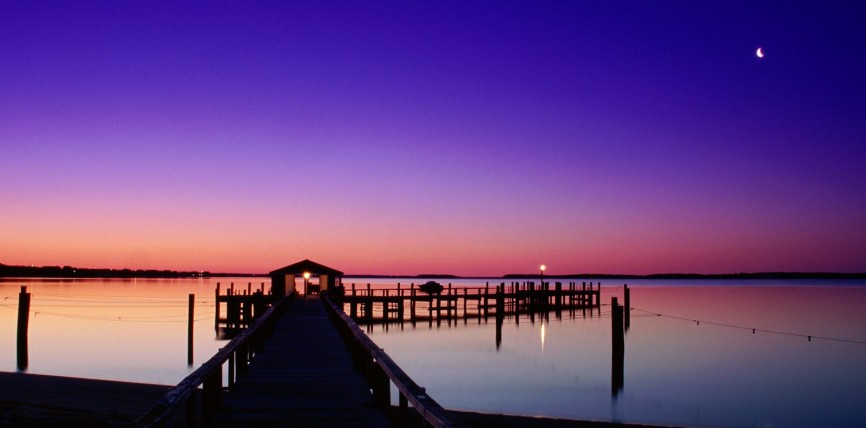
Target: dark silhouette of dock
[(303, 376), (303, 361)]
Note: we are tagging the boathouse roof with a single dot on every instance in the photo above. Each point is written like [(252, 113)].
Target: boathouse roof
[(306, 265)]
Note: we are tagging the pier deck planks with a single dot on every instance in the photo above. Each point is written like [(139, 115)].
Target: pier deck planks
[(42, 400), (303, 377)]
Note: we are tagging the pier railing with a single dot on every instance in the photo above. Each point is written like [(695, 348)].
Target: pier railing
[(381, 371), (237, 354)]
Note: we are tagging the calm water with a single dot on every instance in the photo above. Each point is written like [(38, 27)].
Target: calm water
[(120, 329), (677, 371)]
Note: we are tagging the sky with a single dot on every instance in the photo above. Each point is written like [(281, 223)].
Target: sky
[(467, 137)]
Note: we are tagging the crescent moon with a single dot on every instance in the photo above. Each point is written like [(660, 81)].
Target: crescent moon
[(759, 53)]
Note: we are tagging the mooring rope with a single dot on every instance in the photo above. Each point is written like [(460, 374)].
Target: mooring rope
[(754, 330)]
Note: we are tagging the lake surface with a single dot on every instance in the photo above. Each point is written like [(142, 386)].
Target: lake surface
[(691, 356), (120, 329)]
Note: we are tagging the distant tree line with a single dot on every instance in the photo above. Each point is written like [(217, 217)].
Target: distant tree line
[(75, 272), (755, 275)]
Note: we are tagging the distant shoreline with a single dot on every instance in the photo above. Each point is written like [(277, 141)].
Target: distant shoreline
[(74, 272)]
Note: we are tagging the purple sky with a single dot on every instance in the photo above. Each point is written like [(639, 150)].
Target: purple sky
[(475, 138)]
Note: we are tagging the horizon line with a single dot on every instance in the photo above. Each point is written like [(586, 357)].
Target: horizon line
[(129, 272)]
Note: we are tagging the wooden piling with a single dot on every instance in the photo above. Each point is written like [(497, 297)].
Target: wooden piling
[(381, 387), (558, 298), (23, 324), (500, 319), (403, 415), (216, 318), (353, 305), (412, 303), (627, 308), (617, 347), (189, 330)]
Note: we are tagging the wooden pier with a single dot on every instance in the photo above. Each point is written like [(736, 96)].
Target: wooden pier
[(237, 309), (302, 361), (386, 305), (303, 376), (297, 365)]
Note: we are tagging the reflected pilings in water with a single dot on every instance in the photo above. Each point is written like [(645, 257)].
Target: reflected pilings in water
[(23, 323), (499, 321)]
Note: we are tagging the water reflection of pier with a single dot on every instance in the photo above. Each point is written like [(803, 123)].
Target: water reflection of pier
[(504, 302), (409, 304)]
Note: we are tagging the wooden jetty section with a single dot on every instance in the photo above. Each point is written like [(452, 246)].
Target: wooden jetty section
[(200, 394), (298, 364), (382, 371), (383, 305), (238, 309), (302, 377)]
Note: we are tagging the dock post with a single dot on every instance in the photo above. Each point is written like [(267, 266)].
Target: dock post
[(486, 300), (232, 364), (212, 394), (598, 295), (404, 410), (216, 301), (353, 306), (412, 303), (381, 387), (627, 308), (617, 348), (189, 330), (450, 296), (430, 308), (500, 314), (23, 323), (582, 298), (192, 410), (558, 299), (368, 309)]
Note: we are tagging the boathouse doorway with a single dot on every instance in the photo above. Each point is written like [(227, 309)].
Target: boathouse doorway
[(305, 277)]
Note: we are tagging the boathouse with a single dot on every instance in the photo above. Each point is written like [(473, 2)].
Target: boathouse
[(283, 279)]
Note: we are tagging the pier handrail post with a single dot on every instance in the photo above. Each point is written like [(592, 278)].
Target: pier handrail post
[(384, 371), (210, 374)]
